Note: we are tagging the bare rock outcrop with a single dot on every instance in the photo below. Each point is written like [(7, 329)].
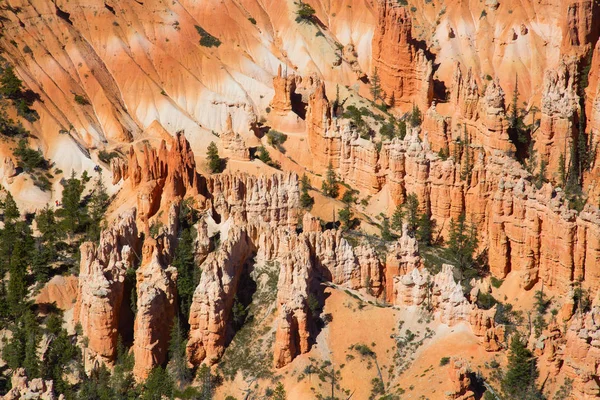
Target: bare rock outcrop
[(234, 143), (439, 293), (459, 375), (23, 388), (101, 287), (294, 320), (156, 309), (214, 296), (284, 86), (405, 72), (560, 107), (273, 199), (159, 175)]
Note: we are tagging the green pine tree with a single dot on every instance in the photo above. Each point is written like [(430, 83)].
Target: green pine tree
[(178, 361), (462, 243), (213, 159), (425, 228), (386, 234), (521, 373), (71, 211), (306, 200), (330, 185), (345, 216)]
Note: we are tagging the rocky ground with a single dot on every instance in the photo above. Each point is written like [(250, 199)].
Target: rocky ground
[(509, 100)]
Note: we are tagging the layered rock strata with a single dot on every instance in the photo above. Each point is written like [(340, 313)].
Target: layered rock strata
[(405, 73)]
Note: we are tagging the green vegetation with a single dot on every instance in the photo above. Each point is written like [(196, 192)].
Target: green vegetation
[(356, 116), (81, 100), (330, 184), (393, 128), (276, 139), (416, 117), (306, 200), (263, 155), (375, 87), (206, 39), (213, 159), (521, 373), (444, 361), (11, 87), (105, 156), (462, 243), (305, 13)]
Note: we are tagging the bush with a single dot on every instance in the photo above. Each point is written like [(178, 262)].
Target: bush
[(206, 39), (486, 300), (105, 156), (496, 282), (305, 13), (252, 20), (364, 350), (81, 100), (276, 138), (27, 158), (444, 361)]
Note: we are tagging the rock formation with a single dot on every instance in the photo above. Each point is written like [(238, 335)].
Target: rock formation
[(23, 388), (156, 308), (405, 72), (458, 373), (294, 320), (101, 287), (284, 87), (214, 296), (234, 143), (560, 107)]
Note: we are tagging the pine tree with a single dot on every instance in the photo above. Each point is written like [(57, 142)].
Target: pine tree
[(375, 86), (345, 216), (158, 384), (188, 274), (398, 217), (541, 176), (178, 361), (279, 392), (386, 234), (97, 207), (562, 171), (462, 243), (10, 85), (416, 117), (412, 213), (329, 186), (519, 380), (306, 200), (71, 209), (8, 235), (212, 156), (17, 284), (465, 173), (425, 229)]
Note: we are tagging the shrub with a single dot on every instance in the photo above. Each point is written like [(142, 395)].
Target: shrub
[(276, 138), (206, 39), (81, 100), (105, 156), (364, 350), (496, 282), (252, 20), (444, 361), (27, 158), (305, 13)]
